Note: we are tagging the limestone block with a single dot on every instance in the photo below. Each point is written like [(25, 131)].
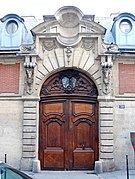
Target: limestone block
[(28, 148), (107, 142), (36, 166), (77, 56), (106, 123), (29, 116), (106, 104), (98, 167), (29, 154), (106, 130), (106, 136), (29, 129), (106, 149), (53, 60), (59, 56), (94, 69), (84, 58), (106, 110), (30, 104), (41, 71), (30, 110), (98, 81), (29, 122), (28, 141), (29, 135), (107, 117), (97, 75), (47, 63), (90, 62), (105, 155)]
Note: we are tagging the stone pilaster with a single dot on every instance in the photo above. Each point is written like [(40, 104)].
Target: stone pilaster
[(106, 154), (30, 133)]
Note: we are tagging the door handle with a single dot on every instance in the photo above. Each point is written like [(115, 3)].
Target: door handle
[(83, 146)]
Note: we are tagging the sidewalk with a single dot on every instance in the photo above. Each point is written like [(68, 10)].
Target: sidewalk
[(64, 175), (118, 175), (81, 175)]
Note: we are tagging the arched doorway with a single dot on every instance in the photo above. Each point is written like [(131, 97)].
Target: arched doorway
[(68, 127)]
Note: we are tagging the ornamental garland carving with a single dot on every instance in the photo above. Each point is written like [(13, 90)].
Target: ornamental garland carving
[(69, 82)]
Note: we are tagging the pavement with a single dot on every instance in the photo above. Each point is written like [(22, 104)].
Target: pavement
[(118, 175), (81, 175)]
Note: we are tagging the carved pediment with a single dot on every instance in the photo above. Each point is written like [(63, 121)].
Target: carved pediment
[(69, 25)]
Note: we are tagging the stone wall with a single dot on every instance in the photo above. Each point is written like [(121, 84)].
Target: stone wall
[(11, 117), (123, 124)]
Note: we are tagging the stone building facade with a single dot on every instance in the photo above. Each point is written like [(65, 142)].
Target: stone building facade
[(67, 97)]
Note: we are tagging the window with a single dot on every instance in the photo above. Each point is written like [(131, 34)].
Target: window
[(11, 27), (125, 26)]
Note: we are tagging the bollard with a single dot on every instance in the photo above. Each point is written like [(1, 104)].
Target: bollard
[(36, 166), (98, 167), (132, 136), (127, 166), (5, 158)]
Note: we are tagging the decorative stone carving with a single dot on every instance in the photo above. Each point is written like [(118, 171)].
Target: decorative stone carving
[(29, 70), (88, 44), (109, 48), (27, 48), (48, 44), (69, 82), (106, 71), (69, 20), (68, 53)]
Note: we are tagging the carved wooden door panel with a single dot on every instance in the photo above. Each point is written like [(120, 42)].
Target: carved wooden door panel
[(52, 134), (84, 134), (68, 134)]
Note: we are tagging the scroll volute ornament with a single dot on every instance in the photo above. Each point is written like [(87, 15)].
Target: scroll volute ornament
[(69, 82)]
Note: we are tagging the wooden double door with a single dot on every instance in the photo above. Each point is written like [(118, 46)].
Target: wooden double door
[(68, 133)]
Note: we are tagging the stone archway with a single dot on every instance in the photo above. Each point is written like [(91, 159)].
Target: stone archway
[(57, 48)]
